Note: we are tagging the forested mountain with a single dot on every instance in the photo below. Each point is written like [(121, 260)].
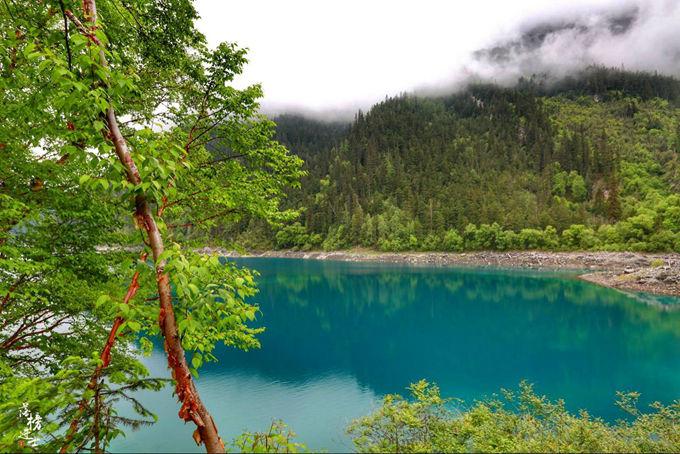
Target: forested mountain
[(589, 161)]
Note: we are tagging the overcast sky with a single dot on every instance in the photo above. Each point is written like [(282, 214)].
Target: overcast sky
[(324, 55)]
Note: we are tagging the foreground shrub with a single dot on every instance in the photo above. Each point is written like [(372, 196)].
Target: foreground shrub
[(520, 421), (278, 439)]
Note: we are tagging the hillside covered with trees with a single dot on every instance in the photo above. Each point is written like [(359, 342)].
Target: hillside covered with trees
[(123, 144), (589, 161)]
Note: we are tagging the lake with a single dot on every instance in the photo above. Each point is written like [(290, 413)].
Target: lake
[(340, 335)]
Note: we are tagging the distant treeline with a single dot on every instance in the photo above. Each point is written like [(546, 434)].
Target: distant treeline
[(608, 83), (590, 161)]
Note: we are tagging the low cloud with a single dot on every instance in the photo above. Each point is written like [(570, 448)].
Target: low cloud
[(634, 35), (335, 57)]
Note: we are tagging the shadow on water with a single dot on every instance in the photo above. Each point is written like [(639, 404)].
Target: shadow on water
[(341, 334)]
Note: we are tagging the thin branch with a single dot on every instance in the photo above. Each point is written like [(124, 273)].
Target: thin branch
[(105, 358), (12, 288), (41, 331), (179, 201), (20, 333), (66, 37), (205, 131), (139, 25), (224, 159), (88, 33), (9, 11)]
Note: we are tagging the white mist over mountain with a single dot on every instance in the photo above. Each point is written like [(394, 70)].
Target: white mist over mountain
[(337, 56), (635, 35)]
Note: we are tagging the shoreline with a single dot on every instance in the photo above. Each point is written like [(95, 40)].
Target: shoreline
[(656, 273)]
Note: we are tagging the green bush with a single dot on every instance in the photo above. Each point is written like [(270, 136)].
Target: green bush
[(531, 239), (452, 241), (336, 239), (672, 219), (638, 246), (315, 240), (608, 234), (551, 238), (292, 236), (520, 421), (636, 228), (508, 240), (432, 242), (662, 241), (278, 439), (486, 235), (579, 237), (470, 237)]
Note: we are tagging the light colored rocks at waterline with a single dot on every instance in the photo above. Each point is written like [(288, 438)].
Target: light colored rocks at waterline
[(659, 279), (654, 273)]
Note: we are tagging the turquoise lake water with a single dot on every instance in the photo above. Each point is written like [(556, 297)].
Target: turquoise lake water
[(340, 335)]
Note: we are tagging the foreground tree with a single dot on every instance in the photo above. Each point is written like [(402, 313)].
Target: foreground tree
[(117, 111)]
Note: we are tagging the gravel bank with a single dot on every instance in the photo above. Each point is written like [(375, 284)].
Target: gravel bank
[(652, 273)]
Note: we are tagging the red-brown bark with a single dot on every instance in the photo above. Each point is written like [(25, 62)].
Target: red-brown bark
[(105, 358), (12, 288), (192, 408)]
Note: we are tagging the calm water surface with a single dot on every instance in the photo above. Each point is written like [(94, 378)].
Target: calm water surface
[(339, 335)]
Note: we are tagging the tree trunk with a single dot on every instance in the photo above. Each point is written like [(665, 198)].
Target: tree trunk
[(192, 408)]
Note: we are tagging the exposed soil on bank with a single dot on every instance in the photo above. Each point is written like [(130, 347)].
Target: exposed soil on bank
[(652, 273)]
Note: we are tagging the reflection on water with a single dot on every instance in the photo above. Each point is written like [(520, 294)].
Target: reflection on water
[(339, 335)]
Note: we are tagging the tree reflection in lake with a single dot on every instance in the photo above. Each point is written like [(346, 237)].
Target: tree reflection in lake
[(470, 330), (338, 335)]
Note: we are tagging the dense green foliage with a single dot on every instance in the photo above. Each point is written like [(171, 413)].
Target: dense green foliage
[(68, 186), (518, 421), (278, 439), (590, 162), (487, 168)]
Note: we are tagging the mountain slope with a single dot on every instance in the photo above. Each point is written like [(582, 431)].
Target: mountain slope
[(598, 151)]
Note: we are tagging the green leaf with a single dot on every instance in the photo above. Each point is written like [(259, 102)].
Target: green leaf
[(197, 360), (103, 299)]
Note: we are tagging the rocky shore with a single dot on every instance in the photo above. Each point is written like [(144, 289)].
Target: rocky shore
[(652, 273)]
